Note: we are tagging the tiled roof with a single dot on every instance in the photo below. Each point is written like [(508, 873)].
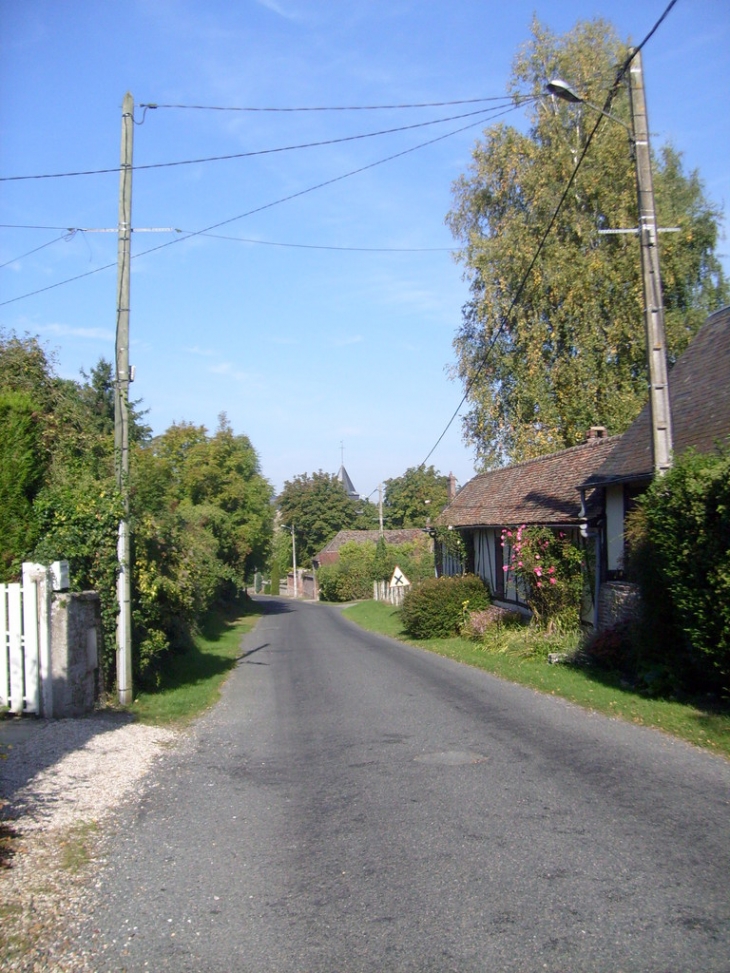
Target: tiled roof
[(538, 491), (699, 395), (395, 537)]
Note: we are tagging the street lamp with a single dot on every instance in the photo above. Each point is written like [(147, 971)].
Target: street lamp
[(661, 422)]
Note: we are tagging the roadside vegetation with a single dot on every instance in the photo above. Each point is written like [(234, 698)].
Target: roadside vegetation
[(201, 512), (192, 681)]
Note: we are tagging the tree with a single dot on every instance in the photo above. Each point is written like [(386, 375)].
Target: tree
[(317, 506), (22, 468), (414, 498), (543, 362), (202, 520)]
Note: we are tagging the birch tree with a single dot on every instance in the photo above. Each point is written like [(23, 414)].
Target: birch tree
[(547, 354)]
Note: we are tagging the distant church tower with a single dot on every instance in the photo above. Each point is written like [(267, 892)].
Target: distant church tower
[(344, 477)]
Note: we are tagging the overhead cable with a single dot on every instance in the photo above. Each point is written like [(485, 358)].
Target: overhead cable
[(64, 236), (422, 104), (257, 152), (258, 209), (317, 246)]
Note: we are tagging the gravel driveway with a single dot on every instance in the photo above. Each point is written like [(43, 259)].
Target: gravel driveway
[(61, 782)]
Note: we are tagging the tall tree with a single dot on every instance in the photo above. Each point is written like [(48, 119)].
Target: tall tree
[(414, 498), (545, 355), (317, 506)]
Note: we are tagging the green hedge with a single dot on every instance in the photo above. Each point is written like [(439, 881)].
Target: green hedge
[(437, 608), (680, 555)]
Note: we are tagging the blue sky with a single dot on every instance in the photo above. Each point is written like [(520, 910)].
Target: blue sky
[(329, 319)]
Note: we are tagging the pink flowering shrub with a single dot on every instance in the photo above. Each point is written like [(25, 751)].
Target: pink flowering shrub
[(548, 569)]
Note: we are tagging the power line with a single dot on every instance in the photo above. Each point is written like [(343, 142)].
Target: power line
[(316, 246), (310, 189), (64, 236), (607, 105), (423, 104), (257, 152), (258, 209)]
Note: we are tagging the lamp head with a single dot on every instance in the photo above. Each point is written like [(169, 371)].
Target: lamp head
[(561, 89)]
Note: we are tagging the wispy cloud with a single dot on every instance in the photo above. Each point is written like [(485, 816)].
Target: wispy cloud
[(66, 331), (346, 341), (204, 352), (277, 340), (229, 370), (278, 8)]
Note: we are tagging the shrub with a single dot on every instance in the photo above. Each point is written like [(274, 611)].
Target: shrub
[(340, 582), (483, 620), (437, 607), (679, 552), (610, 649), (359, 565)]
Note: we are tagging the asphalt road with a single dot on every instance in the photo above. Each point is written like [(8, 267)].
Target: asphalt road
[(353, 804)]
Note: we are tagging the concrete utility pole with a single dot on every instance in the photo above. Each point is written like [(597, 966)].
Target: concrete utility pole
[(661, 420), (121, 405)]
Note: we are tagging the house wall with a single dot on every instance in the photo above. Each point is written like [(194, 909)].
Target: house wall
[(487, 563), (615, 527)]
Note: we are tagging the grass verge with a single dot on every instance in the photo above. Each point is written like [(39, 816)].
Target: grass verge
[(193, 679), (521, 657)]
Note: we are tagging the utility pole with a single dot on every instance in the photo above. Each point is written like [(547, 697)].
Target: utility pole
[(294, 559), (661, 420), (121, 406)]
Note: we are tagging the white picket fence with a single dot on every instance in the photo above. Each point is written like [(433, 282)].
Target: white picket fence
[(393, 594), (19, 647)]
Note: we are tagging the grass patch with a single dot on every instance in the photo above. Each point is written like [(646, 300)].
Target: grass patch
[(520, 656), (77, 846), (192, 680)]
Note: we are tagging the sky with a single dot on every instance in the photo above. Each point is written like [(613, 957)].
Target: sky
[(319, 312)]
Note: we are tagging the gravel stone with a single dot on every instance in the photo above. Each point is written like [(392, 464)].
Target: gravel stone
[(59, 791)]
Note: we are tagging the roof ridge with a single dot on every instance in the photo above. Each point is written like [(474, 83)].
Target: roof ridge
[(588, 444)]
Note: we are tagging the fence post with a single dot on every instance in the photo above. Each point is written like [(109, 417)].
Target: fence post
[(39, 578)]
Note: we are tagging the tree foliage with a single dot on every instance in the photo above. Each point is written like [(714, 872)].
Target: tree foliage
[(544, 362), (22, 467), (414, 498), (360, 564), (680, 554), (201, 513), (317, 507)]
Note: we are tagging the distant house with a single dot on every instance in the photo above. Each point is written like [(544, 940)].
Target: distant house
[(542, 492), (330, 553)]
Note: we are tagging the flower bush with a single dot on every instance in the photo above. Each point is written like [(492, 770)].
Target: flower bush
[(548, 570)]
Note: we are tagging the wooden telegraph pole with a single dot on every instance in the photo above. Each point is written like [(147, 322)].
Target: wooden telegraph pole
[(661, 421), (121, 406)]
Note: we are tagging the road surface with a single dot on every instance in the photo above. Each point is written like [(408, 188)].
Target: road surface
[(354, 805)]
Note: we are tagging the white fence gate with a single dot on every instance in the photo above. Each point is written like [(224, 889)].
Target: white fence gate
[(19, 647), (393, 594)]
